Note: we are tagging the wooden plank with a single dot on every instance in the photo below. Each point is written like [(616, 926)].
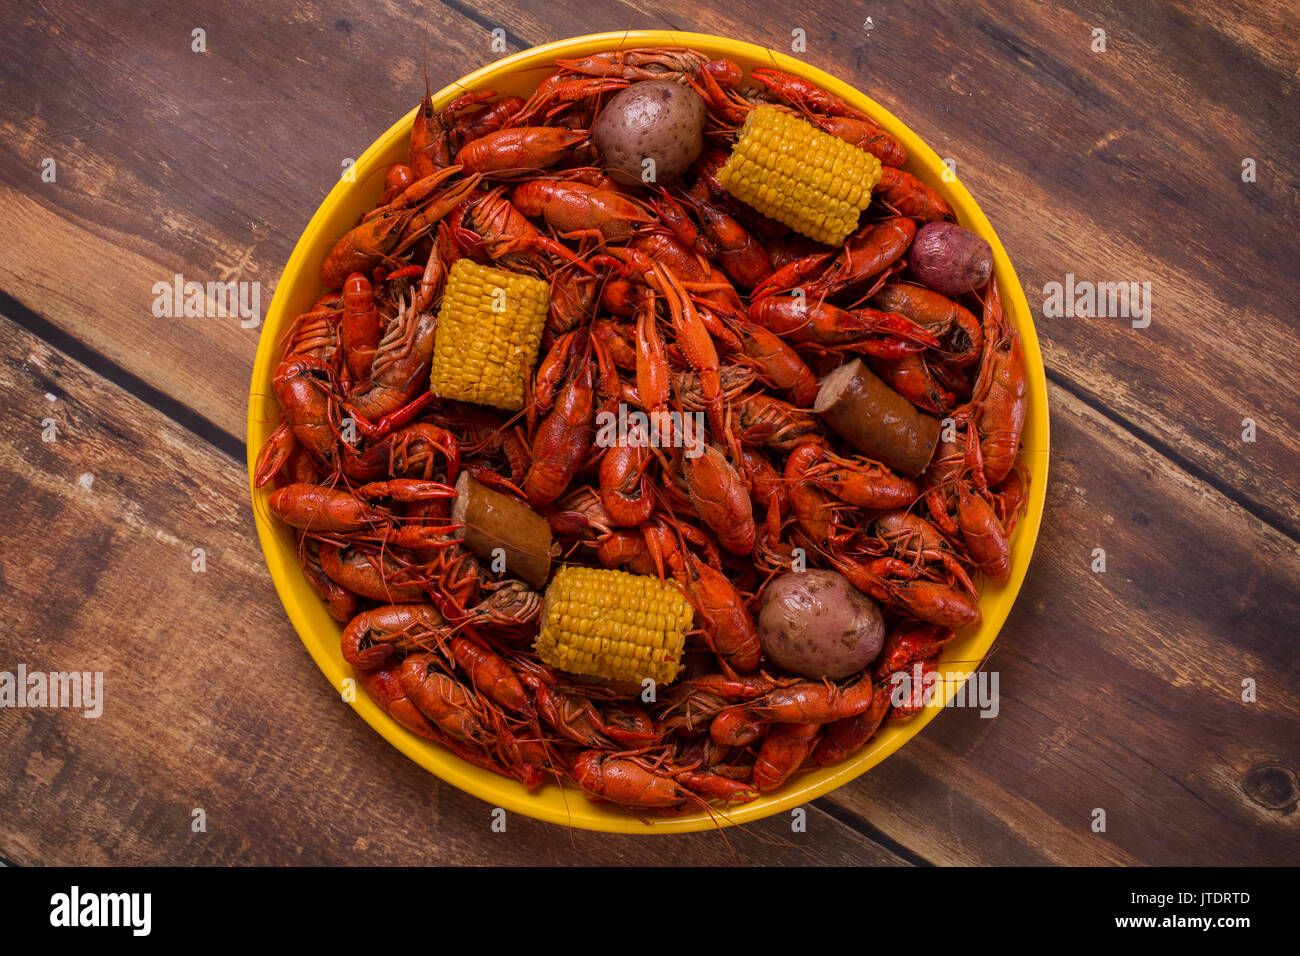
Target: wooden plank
[(210, 701), (174, 162), (1120, 690)]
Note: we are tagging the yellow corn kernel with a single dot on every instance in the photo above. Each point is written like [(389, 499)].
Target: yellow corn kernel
[(614, 625), (804, 178), (489, 330)]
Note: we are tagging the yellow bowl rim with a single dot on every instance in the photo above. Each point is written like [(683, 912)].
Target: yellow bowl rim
[(575, 810)]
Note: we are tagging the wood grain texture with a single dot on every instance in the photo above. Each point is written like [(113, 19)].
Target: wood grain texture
[(1120, 691), (1140, 712), (171, 162)]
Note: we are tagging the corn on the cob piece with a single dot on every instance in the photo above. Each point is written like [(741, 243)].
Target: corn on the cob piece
[(614, 625), (489, 330), (809, 180)]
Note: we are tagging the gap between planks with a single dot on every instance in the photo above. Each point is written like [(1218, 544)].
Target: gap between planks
[(1268, 516), (865, 829), (130, 383)]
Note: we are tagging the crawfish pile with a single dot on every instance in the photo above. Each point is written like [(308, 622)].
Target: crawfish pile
[(662, 299)]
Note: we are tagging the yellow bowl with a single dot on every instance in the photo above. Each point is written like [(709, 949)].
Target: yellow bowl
[(300, 285)]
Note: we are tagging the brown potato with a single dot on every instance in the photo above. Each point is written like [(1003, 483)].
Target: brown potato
[(815, 624), (950, 259), (653, 119)]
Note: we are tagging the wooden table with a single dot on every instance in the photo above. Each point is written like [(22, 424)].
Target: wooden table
[(1120, 690)]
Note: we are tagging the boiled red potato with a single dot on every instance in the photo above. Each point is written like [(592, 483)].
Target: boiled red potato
[(815, 624), (950, 259), (651, 120)]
